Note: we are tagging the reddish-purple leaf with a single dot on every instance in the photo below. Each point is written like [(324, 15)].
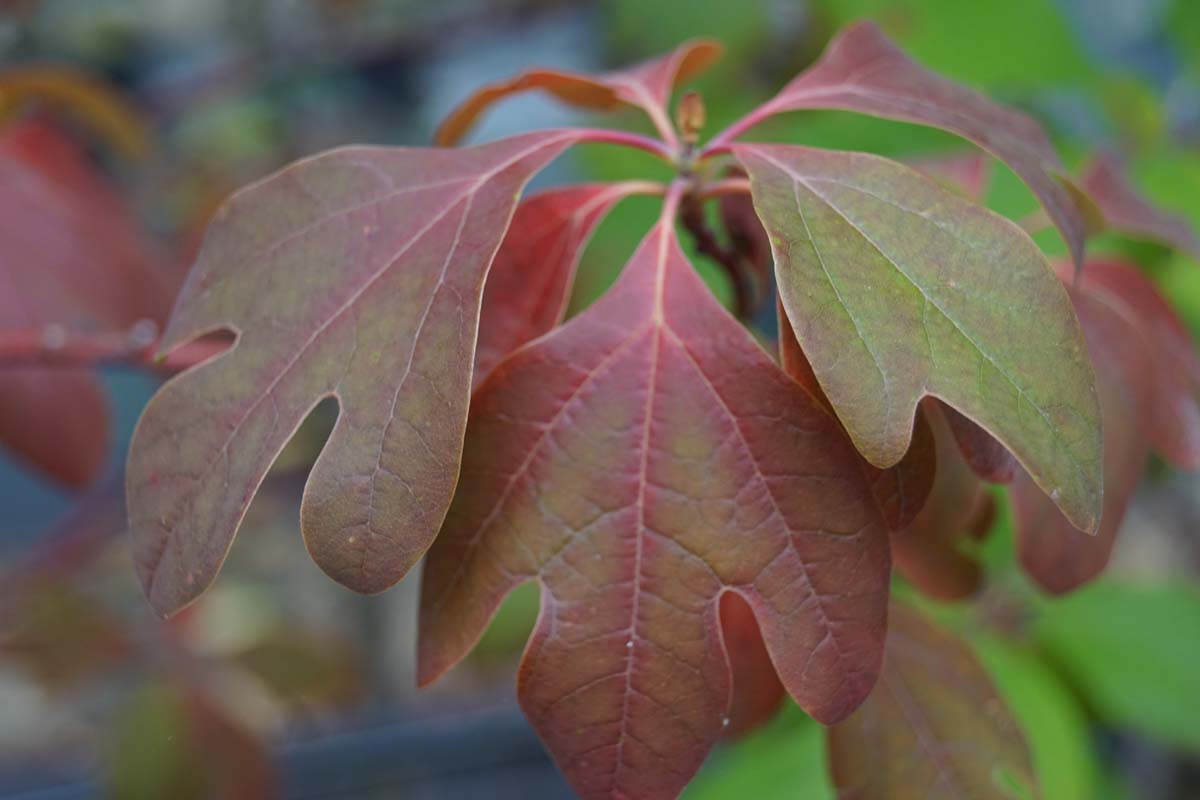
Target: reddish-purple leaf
[(647, 86), (356, 274), (530, 281), (756, 691), (863, 71), (966, 173), (928, 553), (900, 490), (933, 729), (988, 458), (71, 256), (1174, 423), (639, 462), (1057, 556), (898, 289), (1126, 210)]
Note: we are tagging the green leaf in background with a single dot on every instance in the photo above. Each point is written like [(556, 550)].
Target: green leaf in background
[(784, 760), (1054, 724), (1133, 652)]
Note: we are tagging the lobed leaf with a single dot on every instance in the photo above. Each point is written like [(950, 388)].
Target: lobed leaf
[(862, 70), (529, 284), (355, 274), (898, 289), (71, 255), (640, 462), (647, 86), (1126, 210), (986, 457), (934, 728)]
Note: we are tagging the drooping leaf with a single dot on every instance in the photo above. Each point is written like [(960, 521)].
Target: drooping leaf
[(1057, 556), (929, 553), (529, 284), (934, 728), (647, 86), (986, 457), (1126, 210), (900, 490), (1174, 424), (639, 462), (898, 289), (1131, 652), (71, 256), (863, 71), (356, 274)]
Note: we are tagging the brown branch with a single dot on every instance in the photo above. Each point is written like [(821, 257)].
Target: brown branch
[(692, 216)]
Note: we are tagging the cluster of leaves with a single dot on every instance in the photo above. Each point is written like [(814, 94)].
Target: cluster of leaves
[(711, 528)]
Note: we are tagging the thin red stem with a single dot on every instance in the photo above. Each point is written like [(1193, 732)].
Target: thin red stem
[(627, 139), (720, 143)]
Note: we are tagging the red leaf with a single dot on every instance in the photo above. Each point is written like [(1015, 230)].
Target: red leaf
[(355, 274), (1057, 556), (1126, 210), (647, 86), (933, 729), (757, 692), (1174, 423), (529, 284), (986, 457), (70, 255), (928, 553), (862, 70), (639, 462)]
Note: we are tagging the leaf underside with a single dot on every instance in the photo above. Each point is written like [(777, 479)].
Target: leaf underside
[(356, 274), (638, 463), (896, 289)]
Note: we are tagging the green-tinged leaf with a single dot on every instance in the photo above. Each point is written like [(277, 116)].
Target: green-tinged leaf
[(933, 729), (356, 274), (1056, 727), (898, 289), (1131, 651), (783, 761), (862, 71), (640, 462)]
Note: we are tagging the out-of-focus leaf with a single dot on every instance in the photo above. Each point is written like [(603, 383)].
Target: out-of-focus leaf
[(783, 761), (81, 96), (1054, 724), (862, 71), (355, 274), (966, 173), (986, 457), (173, 742), (639, 462), (71, 255), (933, 728), (60, 636), (1128, 211), (647, 86), (1131, 651), (530, 281), (895, 290), (757, 692), (304, 670)]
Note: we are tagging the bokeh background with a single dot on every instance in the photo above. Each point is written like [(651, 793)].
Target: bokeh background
[(281, 683)]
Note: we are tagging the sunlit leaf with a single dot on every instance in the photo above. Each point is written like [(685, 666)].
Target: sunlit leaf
[(529, 284), (356, 274), (71, 259), (898, 289), (639, 462), (933, 729), (647, 86), (861, 70)]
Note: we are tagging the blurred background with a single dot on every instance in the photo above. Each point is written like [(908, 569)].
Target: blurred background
[(147, 113)]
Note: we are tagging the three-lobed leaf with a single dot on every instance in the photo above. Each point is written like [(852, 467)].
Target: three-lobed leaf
[(640, 462), (356, 274), (897, 289)]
